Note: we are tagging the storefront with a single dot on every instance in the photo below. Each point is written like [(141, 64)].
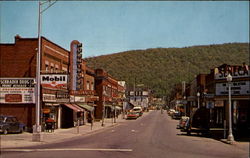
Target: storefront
[(240, 97), (17, 98)]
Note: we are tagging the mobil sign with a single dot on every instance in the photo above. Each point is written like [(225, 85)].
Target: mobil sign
[(54, 81)]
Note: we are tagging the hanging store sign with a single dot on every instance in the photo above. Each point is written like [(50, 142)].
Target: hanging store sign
[(77, 99), (49, 98), (17, 90), (54, 81), (237, 88), (52, 98)]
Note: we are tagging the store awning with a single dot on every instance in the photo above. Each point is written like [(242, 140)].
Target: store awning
[(86, 106), (74, 107), (118, 108), (110, 106)]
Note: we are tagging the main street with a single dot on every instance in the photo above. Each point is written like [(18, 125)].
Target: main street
[(154, 135)]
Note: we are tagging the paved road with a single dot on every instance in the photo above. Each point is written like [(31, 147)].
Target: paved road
[(151, 136)]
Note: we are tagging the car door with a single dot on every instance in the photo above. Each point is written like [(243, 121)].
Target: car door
[(15, 124), (9, 124)]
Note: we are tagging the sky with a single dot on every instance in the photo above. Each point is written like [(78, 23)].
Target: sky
[(106, 27)]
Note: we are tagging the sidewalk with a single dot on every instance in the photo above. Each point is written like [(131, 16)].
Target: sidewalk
[(59, 135)]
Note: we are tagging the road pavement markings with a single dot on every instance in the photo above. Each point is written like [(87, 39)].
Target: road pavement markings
[(66, 149)]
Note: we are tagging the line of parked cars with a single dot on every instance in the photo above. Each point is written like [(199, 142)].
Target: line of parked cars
[(198, 122), (10, 124), (174, 114)]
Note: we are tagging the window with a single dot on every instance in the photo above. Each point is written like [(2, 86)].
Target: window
[(46, 68), (51, 69), (88, 85)]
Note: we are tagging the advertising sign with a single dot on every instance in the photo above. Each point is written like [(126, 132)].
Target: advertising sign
[(49, 98), (237, 88), (17, 90), (75, 99), (54, 81)]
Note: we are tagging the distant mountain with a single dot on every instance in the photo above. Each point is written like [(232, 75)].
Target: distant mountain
[(161, 68)]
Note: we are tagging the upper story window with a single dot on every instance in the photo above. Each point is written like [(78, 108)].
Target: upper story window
[(88, 85), (64, 69), (92, 86), (46, 66), (52, 67), (56, 68)]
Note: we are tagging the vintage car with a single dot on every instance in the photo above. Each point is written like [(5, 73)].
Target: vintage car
[(132, 115), (198, 122), (10, 124)]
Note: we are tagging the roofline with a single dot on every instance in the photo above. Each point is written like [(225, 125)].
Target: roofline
[(55, 44), (33, 39)]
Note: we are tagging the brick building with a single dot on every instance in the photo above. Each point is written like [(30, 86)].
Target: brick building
[(18, 62), (107, 90)]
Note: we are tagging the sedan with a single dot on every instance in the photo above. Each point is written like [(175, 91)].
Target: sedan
[(10, 124), (132, 115)]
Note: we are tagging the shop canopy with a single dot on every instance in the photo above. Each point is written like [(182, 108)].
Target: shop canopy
[(87, 107), (110, 106), (113, 107), (118, 108), (74, 107)]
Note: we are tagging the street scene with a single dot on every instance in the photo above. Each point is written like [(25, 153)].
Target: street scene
[(123, 79), (152, 135)]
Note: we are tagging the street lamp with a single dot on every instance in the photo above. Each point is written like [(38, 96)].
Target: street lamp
[(185, 105), (230, 137), (198, 95), (37, 127)]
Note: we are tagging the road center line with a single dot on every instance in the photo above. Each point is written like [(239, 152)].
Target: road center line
[(66, 149)]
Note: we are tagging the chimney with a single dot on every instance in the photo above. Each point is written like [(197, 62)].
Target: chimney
[(17, 37)]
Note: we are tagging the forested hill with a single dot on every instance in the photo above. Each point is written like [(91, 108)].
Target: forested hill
[(161, 68)]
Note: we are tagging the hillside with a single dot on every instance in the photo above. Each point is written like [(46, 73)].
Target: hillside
[(161, 68)]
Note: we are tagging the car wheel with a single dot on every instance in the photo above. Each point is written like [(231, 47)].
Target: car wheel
[(5, 131)]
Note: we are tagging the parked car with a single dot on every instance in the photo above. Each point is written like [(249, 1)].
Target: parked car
[(132, 115), (182, 122), (198, 122), (138, 109), (176, 115), (10, 124), (170, 112)]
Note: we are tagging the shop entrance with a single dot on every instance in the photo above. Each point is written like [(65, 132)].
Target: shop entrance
[(67, 117)]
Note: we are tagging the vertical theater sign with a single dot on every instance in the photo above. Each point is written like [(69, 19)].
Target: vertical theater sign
[(17, 90)]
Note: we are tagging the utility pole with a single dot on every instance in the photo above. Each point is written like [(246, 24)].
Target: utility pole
[(37, 127)]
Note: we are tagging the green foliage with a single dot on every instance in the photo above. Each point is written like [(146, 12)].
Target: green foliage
[(161, 68)]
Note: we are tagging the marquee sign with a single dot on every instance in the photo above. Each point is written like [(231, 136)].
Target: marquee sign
[(235, 71), (237, 88)]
